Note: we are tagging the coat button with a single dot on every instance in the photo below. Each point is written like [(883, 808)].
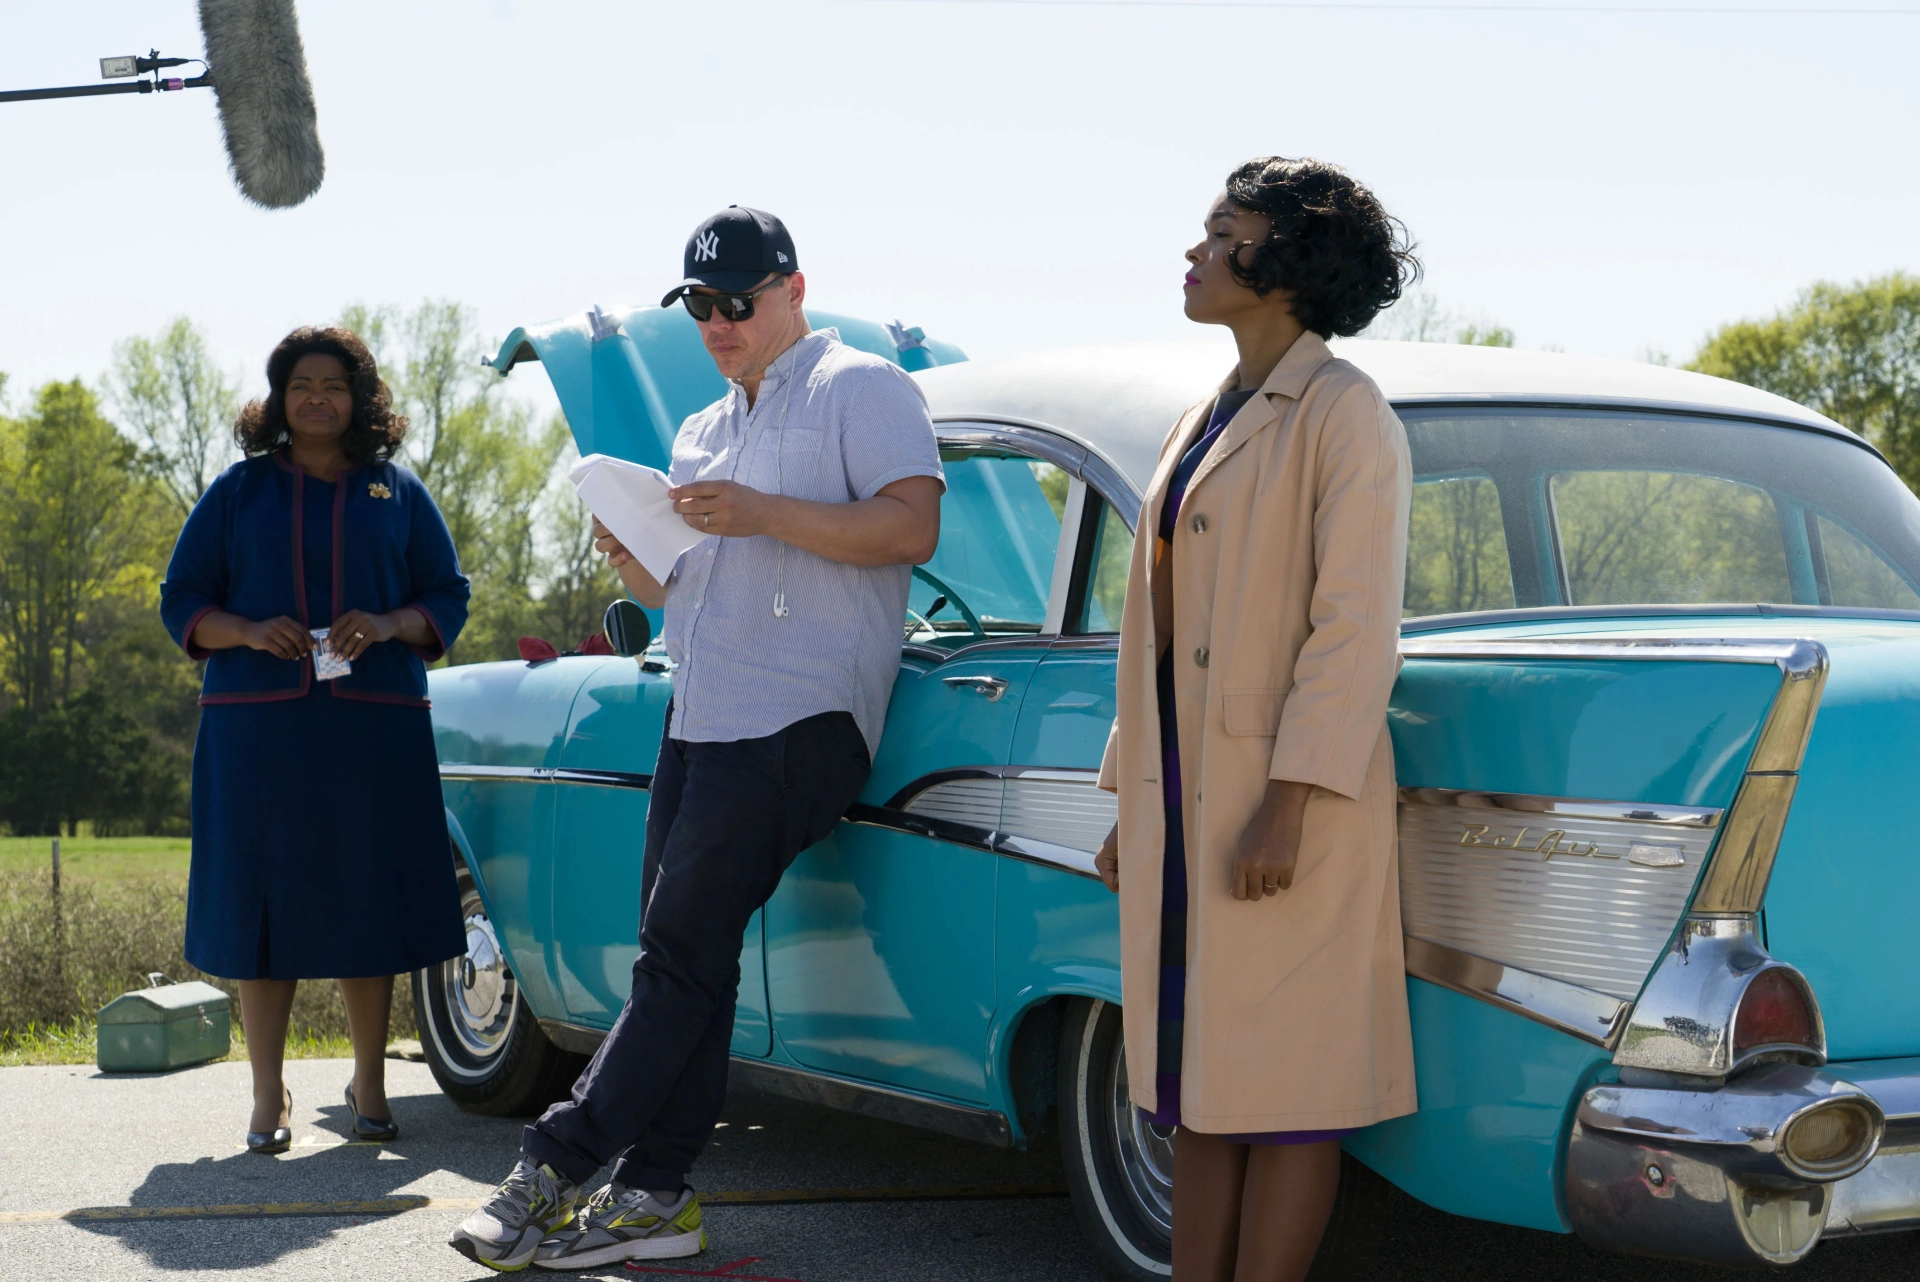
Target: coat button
[(1200, 656), (1199, 523)]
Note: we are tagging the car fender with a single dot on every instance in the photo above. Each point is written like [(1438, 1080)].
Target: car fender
[(1044, 985)]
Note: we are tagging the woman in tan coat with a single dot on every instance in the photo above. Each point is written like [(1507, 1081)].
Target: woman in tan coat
[(1266, 1010)]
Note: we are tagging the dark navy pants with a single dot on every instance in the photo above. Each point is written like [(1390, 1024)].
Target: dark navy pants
[(723, 823)]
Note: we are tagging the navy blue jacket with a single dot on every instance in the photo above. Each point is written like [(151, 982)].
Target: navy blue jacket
[(240, 551)]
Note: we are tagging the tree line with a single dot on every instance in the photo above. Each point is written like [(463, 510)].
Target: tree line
[(97, 707)]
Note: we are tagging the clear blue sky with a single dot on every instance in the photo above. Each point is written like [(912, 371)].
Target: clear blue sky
[(1010, 176)]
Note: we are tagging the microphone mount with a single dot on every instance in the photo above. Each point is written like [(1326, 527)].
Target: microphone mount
[(119, 69)]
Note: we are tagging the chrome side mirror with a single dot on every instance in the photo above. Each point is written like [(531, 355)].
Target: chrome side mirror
[(628, 629)]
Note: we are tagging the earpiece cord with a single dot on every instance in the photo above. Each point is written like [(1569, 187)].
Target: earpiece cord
[(779, 487)]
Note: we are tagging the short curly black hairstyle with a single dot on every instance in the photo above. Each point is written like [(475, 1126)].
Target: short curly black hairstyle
[(1342, 257), (375, 432)]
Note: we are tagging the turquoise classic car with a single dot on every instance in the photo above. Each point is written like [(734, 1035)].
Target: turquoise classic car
[(1655, 736)]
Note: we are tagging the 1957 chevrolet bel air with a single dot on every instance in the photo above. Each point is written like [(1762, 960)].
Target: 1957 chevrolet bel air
[(1655, 735)]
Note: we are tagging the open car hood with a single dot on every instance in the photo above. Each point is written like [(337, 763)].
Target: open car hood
[(627, 378)]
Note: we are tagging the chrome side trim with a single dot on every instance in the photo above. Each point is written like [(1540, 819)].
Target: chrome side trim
[(1570, 807), (937, 655), (872, 1100), (1030, 850), (1793, 655), (1683, 1022), (1736, 875), (1536, 614), (1590, 1016), (1581, 891), (1089, 641), (1052, 774), (546, 774), (1038, 814)]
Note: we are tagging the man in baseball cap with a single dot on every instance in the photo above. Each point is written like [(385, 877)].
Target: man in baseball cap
[(819, 475), (733, 251)]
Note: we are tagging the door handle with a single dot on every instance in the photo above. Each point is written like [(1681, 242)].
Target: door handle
[(991, 687)]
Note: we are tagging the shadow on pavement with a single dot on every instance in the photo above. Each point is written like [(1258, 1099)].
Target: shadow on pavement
[(323, 1167)]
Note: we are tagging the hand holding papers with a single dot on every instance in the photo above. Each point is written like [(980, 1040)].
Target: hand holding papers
[(631, 501)]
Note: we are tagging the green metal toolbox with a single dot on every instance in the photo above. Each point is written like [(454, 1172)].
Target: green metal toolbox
[(163, 1027)]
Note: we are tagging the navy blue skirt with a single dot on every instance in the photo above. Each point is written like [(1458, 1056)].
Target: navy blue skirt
[(319, 842)]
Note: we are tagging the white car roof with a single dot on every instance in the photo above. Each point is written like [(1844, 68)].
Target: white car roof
[(1122, 399)]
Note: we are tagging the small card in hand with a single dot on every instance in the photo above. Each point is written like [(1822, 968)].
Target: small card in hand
[(326, 664)]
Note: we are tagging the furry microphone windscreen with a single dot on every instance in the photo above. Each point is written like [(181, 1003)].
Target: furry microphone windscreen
[(259, 74)]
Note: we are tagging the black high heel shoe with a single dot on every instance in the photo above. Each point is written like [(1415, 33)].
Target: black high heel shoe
[(277, 1140), (370, 1129)]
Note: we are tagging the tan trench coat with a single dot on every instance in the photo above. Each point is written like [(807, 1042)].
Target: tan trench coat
[(1286, 604)]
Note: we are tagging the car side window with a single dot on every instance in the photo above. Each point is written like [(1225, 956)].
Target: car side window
[(1849, 571), (992, 572), (1456, 548), (1660, 538), (1106, 572)]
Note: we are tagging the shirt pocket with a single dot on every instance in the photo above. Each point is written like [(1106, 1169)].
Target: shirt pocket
[(800, 465), (1252, 712)]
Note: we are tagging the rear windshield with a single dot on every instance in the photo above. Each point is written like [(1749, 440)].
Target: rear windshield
[(1518, 509)]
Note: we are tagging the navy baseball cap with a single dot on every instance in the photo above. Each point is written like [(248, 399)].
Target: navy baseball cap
[(733, 251)]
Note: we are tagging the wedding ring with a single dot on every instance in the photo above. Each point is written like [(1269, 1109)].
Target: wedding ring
[(359, 636), (706, 519)]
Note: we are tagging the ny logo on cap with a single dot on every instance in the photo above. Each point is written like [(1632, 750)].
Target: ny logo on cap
[(706, 246)]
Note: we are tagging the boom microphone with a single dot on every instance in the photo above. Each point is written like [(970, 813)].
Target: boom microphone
[(259, 75)]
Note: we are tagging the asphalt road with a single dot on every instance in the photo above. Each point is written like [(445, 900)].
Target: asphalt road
[(145, 1177)]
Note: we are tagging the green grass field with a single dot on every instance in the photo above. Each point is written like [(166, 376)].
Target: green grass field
[(120, 915), (98, 858), (74, 1044)]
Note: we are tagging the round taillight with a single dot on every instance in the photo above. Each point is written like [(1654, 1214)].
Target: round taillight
[(1773, 1011), (1832, 1138)]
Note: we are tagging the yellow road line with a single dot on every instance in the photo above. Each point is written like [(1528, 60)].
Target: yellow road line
[(400, 1205)]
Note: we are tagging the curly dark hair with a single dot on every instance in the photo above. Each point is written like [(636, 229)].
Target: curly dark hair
[(375, 432), (1342, 257)]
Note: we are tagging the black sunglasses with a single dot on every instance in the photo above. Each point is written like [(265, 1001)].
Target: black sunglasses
[(737, 307)]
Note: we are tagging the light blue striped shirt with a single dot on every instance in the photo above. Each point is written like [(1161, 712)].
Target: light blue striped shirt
[(834, 425)]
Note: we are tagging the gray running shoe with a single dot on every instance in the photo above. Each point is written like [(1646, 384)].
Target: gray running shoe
[(625, 1224), (529, 1204)]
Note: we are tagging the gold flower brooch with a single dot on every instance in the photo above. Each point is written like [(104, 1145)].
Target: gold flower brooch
[(379, 491)]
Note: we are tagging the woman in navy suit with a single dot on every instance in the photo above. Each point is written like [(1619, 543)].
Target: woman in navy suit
[(319, 838)]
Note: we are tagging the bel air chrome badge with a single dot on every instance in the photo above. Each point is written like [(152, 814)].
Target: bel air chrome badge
[(1555, 842)]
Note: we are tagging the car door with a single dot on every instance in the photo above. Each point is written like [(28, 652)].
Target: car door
[(613, 741), (880, 940)]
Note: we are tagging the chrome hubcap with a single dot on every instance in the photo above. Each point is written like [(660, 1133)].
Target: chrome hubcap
[(479, 990), (1145, 1150)]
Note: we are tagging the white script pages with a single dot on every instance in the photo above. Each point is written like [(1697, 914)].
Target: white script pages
[(631, 501)]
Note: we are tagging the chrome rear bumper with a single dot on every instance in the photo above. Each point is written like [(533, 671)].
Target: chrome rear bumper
[(1709, 1175), (1886, 1195)]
